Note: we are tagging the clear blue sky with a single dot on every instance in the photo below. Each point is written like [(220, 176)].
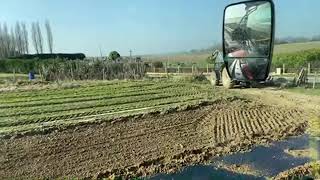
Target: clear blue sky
[(147, 26)]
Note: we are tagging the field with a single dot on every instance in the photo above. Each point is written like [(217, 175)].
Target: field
[(137, 128), (200, 58), (30, 110), (294, 47), (6, 77)]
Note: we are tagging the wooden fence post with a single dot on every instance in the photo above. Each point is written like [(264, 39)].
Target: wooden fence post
[(283, 68), (72, 76), (165, 68), (178, 69), (14, 75), (103, 73), (314, 80), (207, 68), (309, 68)]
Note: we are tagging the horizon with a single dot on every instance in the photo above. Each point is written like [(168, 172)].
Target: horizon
[(143, 26)]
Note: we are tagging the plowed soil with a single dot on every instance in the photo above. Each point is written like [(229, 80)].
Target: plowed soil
[(307, 171), (149, 144)]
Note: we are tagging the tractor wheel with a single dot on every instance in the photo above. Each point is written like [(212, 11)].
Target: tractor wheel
[(226, 80), (214, 79)]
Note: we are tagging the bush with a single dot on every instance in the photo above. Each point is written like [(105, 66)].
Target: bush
[(51, 56), (114, 56), (59, 69), (298, 59), (157, 64), (23, 66), (88, 70)]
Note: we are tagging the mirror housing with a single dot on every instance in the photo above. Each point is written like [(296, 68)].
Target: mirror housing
[(248, 39)]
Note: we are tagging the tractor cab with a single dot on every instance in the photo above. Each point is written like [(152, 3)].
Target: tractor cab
[(248, 33)]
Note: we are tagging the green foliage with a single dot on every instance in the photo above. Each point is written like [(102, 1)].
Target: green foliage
[(18, 65), (51, 56), (298, 59), (113, 56), (200, 78), (96, 70), (59, 69), (157, 64)]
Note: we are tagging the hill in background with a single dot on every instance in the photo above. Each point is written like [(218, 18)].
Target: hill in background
[(199, 57)]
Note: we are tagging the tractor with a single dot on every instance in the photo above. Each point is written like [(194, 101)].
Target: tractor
[(247, 46)]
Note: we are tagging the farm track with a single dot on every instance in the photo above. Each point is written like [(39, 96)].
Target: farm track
[(148, 144)]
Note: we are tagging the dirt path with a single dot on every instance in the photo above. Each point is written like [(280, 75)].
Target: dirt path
[(272, 96), (150, 144)]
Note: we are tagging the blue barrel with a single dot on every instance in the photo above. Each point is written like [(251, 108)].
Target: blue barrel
[(31, 75)]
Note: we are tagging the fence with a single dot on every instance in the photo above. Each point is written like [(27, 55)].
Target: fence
[(209, 68), (181, 70)]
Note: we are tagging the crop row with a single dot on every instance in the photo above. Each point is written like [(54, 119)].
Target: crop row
[(79, 90), (85, 96), (94, 103), (100, 110), (81, 93)]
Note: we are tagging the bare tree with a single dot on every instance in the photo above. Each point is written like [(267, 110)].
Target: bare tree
[(6, 40), (39, 37), (1, 42), (13, 43), (13, 48), (49, 36), (34, 37), (25, 38), (19, 41)]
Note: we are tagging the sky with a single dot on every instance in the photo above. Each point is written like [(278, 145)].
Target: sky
[(146, 26)]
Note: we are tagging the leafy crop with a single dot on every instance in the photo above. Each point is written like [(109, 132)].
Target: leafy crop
[(298, 59), (42, 108)]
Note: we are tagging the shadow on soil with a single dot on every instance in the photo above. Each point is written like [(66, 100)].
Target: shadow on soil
[(265, 161)]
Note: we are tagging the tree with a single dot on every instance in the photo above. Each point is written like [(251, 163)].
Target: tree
[(19, 41), (157, 64), (25, 38), (34, 37), (49, 36), (1, 42), (114, 56), (13, 48), (39, 38), (6, 40)]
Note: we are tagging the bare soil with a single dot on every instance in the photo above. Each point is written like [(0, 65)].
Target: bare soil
[(240, 169), (152, 143), (307, 171), (300, 153)]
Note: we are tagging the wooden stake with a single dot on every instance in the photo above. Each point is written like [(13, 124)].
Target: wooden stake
[(314, 80)]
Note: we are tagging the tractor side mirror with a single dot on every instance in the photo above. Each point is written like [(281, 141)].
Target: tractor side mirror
[(248, 33)]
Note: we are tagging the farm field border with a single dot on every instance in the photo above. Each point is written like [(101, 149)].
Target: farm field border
[(32, 111)]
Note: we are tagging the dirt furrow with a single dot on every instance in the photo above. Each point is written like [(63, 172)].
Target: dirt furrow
[(143, 145)]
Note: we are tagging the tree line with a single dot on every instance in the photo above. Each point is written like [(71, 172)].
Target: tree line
[(14, 41)]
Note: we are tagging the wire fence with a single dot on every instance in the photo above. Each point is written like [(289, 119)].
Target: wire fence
[(180, 70), (210, 68)]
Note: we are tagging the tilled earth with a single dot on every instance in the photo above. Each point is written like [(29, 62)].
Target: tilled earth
[(148, 144)]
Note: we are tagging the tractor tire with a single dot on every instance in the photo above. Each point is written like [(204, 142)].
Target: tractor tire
[(226, 80), (214, 79)]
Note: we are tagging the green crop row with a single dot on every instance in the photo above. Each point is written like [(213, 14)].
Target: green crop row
[(100, 110), (53, 107), (298, 59), (78, 97), (42, 107), (79, 90)]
